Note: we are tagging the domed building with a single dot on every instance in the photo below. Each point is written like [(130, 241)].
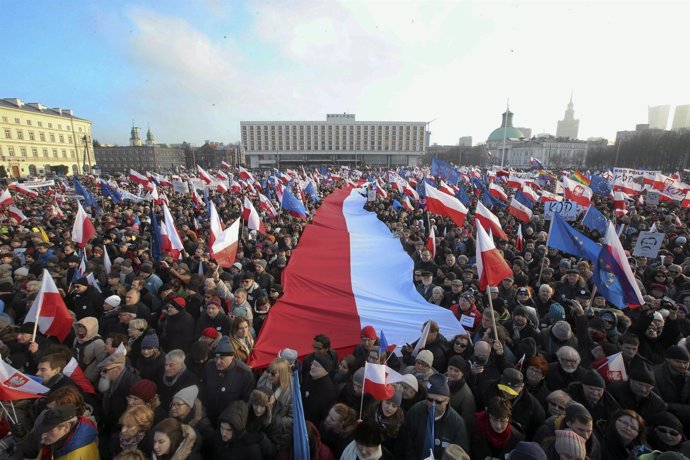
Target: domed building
[(505, 130)]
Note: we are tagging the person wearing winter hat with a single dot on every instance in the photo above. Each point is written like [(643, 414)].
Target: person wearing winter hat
[(412, 392), (570, 445), (110, 320), (144, 391), (528, 451), (213, 317), (177, 329), (318, 391), (423, 366), (225, 379), (449, 426), (115, 383), (351, 393), (84, 300), (461, 396), (670, 377), (638, 392), (210, 336), (368, 343), (151, 362), (187, 408), (367, 444), (89, 347), (666, 433), (591, 392), (553, 337)]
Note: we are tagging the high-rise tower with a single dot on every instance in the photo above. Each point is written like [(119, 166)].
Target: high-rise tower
[(568, 126)]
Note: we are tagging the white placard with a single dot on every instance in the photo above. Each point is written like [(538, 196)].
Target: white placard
[(467, 321), (648, 244), (567, 209), (652, 198)]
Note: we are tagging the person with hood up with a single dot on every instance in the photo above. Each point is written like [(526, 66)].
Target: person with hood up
[(233, 440), (173, 440), (89, 347)]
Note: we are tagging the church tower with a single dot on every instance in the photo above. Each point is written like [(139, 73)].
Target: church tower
[(134, 139), (150, 140)]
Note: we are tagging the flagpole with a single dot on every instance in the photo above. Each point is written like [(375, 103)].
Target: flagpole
[(9, 417), (493, 313), (361, 401), (594, 292), (541, 269)]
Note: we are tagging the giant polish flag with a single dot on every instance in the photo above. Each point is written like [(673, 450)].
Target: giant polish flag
[(82, 230), (445, 205), (49, 310), (347, 273), (489, 221), (491, 266), (225, 247)]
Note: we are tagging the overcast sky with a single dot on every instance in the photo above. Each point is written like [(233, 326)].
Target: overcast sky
[(194, 70)]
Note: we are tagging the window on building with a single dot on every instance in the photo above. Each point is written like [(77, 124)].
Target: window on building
[(44, 152), (8, 134), (54, 153), (59, 126), (50, 125), (10, 151), (34, 152), (62, 138), (52, 137), (40, 124), (23, 151), (18, 121), (4, 119), (32, 136), (20, 134), (64, 153), (73, 153), (69, 139)]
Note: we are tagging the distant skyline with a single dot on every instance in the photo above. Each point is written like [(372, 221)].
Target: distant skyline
[(194, 69)]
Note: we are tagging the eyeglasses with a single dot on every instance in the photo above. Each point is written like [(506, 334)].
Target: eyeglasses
[(568, 361), (669, 431), (461, 344), (437, 401)]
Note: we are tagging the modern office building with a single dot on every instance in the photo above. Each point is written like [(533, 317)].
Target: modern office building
[(36, 139), (657, 116), (339, 139), (681, 117), (567, 127), (140, 156)]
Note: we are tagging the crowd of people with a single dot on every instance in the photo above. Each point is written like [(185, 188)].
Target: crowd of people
[(524, 380)]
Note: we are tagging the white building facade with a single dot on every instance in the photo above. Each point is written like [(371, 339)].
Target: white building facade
[(551, 153), (339, 139)]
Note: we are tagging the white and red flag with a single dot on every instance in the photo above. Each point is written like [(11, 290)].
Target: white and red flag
[(686, 201), (612, 368), (16, 380), (26, 191), (519, 210), (547, 196), (267, 206), (252, 217), (56, 211), (431, 242), (198, 202), (49, 310), (530, 193), (619, 204), (497, 191), (244, 174), (519, 239), (407, 205), (204, 176), (15, 213), (216, 228), (489, 221), (140, 179), (575, 191), (225, 165), (445, 205), (379, 380), (82, 230), (491, 266), (225, 247), (176, 246), (6, 198)]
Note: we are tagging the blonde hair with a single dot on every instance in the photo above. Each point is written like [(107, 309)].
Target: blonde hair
[(139, 323), (282, 366), (141, 416), (131, 453)]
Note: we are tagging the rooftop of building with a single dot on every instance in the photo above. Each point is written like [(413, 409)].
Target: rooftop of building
[(37, 108)]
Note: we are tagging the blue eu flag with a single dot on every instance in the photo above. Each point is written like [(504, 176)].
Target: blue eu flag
[(565, 238), (595, 220), (600, 186)]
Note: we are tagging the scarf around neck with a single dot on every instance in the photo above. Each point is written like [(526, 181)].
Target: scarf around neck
[(498, 440)]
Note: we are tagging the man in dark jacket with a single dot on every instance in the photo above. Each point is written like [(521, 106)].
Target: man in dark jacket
[(225, 379), (566, 370), (178, 326), (591, 393), (115, 383), (449, 426), (233, 440), (85, 300), (672, 381), (318, 390), (638, 392), (175, 377)]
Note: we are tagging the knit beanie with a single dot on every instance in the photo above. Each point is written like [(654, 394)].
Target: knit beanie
[(114, 301), (358, 377), (188, 395), (224, 348), (528, 451), (570, 443), (369, 332), (210, 332), (438, 385), (150, 340), (561, 330), (325, 361), (677, 352), (593, 378), (642, 373), (459, 362), (556, 312), (426, 357), (144, 389)]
